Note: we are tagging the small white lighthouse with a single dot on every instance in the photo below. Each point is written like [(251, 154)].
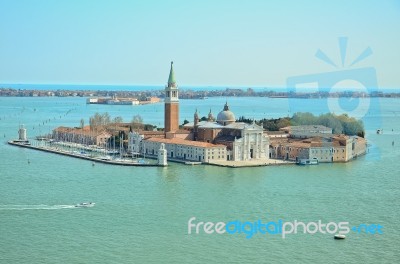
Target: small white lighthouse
[(22, 133), (162, 155)]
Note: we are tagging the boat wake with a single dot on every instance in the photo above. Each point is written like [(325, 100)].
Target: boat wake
[(37, 207)]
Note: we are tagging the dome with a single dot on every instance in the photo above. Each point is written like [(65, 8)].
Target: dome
[(226, 117)]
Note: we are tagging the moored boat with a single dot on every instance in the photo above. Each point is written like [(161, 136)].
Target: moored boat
[(193, 162), (108, 158), (313, 161)]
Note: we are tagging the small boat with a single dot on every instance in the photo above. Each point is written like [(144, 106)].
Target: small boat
[(105, 158), (339, 236), (121, 160), (379, 131), (313, 161), (85, 205), (192, 162)]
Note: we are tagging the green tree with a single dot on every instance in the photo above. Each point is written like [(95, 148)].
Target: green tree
[(329, 120), (149, 127), (299, 119), (339, 124), (283, 122)]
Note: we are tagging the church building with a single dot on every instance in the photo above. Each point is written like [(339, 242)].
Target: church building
[(243, 141), (209, 141)]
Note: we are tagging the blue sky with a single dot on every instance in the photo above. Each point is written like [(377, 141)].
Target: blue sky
[(236, 43)]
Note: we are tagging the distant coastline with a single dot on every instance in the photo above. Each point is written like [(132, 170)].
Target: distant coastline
[(197, 93)]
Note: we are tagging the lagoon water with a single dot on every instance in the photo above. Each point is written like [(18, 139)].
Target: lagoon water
[(141, 214)]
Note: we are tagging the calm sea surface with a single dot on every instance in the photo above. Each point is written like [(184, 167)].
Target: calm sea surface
[(141, 214)]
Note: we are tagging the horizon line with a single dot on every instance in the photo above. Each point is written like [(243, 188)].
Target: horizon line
[(189, 86)]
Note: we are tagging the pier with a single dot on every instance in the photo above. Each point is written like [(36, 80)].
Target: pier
[(24, 144)]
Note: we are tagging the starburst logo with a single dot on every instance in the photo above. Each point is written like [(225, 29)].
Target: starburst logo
[(343, 52), (358, 83)]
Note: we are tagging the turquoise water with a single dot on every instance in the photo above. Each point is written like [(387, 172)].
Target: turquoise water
[(141, 214)]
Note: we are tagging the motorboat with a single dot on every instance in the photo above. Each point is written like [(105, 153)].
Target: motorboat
[(192, 162), (379, 131), (313, 161), (339, 236), (90, 204)]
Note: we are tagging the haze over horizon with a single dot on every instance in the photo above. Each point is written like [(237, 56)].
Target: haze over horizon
[(212, 43)]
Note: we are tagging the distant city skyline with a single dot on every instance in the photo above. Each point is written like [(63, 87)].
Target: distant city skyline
[(212, 43)]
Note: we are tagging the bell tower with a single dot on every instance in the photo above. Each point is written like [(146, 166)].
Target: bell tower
[(196, 125), (171, 111)]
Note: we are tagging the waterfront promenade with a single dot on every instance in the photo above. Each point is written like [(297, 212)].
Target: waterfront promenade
[(234, 164), (252, 163)]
